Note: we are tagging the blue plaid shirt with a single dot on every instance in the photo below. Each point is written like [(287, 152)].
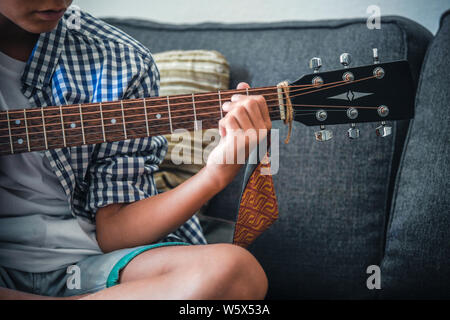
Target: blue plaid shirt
[(94, 63)]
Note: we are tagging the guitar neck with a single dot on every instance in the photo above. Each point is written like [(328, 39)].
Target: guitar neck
[(35, 129)]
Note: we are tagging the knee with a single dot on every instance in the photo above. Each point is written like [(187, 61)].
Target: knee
[(234, 273)]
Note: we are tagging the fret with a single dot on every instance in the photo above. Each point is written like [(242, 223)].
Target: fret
[(158, 115), (135, 120), (195, 113), (246, 90), (53, 128), (220, 105), (123, 120), (207, 114), (18, 134), (71, 121), (37, 127), (93, 123), (146, 118), (170, 116), (62, 125), (26, 128), (103, 123), (82, 125), (9, 130), (43, 126)]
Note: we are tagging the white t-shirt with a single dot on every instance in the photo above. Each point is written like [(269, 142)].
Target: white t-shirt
[(38, 232)]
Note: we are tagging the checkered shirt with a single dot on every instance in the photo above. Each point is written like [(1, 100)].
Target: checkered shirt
[(91, 63)]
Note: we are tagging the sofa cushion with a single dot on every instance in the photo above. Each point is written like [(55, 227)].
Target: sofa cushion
[(417, 259), (333, 197)]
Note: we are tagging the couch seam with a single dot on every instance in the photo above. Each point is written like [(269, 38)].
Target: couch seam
[(391, 210), (137, 23)]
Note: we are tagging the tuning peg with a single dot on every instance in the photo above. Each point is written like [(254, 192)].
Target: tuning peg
[(376, 60), (315, 64), (383, 130), (353, 132), (383, 111), (345, 59), (323, 134)]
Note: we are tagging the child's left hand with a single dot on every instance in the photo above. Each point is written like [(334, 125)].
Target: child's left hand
[(245, 124)]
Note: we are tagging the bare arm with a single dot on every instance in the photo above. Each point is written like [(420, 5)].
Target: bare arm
[(146, 221)]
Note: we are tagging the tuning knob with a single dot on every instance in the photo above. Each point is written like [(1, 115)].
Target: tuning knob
[(383, 130), (315, 64), (353, 132), (323, 134), (345, 59)]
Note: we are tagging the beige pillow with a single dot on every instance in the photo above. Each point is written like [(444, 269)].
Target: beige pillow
[(185, 72), (192, 71)]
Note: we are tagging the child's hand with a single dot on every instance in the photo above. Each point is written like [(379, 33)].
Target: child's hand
[(245, 124)]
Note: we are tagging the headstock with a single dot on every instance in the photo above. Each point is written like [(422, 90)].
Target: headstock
[(375, 93)]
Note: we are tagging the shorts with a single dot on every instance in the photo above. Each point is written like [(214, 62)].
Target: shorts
[(89, 275)]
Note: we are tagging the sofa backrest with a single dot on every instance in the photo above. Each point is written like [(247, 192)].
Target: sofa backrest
[(334, 197), (417, 259)]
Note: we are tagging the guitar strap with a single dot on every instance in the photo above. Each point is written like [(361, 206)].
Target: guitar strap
[(258, 207)]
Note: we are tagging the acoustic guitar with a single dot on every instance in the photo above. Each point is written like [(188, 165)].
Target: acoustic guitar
[(373, 93)]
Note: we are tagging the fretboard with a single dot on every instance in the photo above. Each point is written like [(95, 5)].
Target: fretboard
[(52, 127)]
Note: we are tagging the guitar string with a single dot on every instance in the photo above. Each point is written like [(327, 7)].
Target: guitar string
[(200, 95), (164, 112), (152, 99), (174, 111), (270, 111), (109, 132), (155, 132), (165, 131), (80, 141), (77, 142), (274, 109), (127, 116)]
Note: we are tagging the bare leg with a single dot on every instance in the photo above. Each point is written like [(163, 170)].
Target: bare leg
[(219, 271)]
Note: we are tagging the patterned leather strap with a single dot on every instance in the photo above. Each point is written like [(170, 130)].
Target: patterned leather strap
[(258, 208)]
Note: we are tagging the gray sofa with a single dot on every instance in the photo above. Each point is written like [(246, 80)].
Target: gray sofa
[(344, 205)]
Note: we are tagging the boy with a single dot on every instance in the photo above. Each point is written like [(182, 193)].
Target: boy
[(94, 208)]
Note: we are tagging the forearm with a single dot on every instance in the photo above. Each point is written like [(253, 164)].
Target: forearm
[(146, 221)]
